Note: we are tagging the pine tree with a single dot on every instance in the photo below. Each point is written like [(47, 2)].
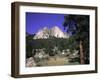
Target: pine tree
[(78, 28)]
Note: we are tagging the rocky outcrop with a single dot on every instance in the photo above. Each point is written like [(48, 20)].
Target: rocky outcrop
[(30, 62)]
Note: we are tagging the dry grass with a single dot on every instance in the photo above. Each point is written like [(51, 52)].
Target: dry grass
[(51, 61), (56, 60)]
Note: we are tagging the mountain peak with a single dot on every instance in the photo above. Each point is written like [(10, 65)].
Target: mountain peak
[(56, 28), (45, 33), (45, 28)]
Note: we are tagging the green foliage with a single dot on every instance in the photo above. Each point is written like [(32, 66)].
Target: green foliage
[(28, 51), (78, 27), (47, 44)]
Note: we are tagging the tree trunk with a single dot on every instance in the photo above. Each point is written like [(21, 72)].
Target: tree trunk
[(81, 52)]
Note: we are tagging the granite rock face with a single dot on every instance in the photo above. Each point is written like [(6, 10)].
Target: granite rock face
[(53, 32)]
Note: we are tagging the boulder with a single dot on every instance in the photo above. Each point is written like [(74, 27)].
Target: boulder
[(30, 62)]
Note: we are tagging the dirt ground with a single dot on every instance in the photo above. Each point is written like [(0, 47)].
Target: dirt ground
[(51, 61), (56, 60)]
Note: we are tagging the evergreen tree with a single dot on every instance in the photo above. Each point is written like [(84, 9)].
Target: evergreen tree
[(78, 28)]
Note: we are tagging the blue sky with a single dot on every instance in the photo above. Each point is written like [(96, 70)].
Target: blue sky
[(36, 21)]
